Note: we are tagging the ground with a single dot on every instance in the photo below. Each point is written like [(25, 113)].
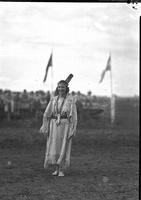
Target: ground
[(104, 165)]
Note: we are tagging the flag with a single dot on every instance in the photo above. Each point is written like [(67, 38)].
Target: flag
[(108, 68), (48, 65)]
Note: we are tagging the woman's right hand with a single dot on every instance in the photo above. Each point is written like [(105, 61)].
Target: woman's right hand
[(44, 131), (41, 130)]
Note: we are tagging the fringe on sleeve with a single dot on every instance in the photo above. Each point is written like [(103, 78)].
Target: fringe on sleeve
[(73, 115), (46, 118)]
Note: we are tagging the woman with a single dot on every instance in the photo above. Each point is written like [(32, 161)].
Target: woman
[(59, 123)]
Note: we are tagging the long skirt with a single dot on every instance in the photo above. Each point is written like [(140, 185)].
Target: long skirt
[(58, 147)]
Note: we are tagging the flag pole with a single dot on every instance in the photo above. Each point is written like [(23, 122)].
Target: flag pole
[(112, 97), (52, 75)]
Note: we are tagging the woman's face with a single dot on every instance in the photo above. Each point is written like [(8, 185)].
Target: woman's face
[(62, 89)]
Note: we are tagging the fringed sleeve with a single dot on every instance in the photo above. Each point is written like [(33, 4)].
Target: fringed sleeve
[(46, 118), (73, 118)]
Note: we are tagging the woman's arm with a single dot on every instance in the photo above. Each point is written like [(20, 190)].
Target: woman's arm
[(73, 120), (46, 119)]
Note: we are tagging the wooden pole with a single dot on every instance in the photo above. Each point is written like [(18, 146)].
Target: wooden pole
[(112, 98)]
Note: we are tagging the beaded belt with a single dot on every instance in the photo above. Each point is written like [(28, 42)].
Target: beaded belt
[(61, 117)]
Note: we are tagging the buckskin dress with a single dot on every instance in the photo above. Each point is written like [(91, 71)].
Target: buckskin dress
[(58, 146)]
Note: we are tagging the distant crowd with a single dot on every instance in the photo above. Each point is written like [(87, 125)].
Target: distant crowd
[(32, 104)]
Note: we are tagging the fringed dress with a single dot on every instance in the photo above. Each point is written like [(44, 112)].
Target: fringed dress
[(60, 127)]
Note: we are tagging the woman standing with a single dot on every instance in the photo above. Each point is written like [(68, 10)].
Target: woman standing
[(59, 123)]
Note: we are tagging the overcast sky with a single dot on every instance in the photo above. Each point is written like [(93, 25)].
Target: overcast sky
[(81, 36)]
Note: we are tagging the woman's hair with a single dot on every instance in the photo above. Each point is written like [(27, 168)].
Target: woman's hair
[(65, 83)]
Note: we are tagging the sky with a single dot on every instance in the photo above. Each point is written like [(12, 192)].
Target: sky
[(80, 35)]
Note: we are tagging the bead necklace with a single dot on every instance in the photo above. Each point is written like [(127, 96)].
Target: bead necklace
[(59, 113)]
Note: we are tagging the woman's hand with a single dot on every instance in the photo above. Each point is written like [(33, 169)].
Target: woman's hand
[(41, 129), (44, 131)]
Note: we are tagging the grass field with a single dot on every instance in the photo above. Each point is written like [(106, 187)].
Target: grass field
[(104, 165)]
